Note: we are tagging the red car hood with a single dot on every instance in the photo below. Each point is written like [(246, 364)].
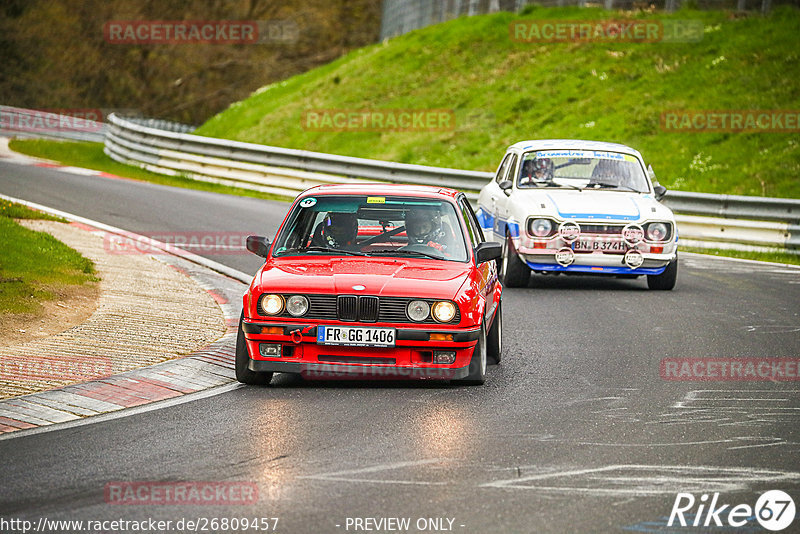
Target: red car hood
[(398, 277)]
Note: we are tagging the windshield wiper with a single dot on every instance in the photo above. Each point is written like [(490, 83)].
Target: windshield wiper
[(419, 252), (615, 186)]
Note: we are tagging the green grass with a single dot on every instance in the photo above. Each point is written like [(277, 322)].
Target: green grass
[(503, 91), (91, 156), (34, 266), (778, 256)]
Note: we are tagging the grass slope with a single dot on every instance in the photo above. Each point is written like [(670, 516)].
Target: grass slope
[(34, 266), (503, 91)]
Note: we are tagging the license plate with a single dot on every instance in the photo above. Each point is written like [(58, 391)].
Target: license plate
[(591, 245), (355, 336)]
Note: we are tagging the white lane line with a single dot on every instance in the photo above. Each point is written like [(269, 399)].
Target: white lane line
[(343, 476), (697, 255), (159, 405)]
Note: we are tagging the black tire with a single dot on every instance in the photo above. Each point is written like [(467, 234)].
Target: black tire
[(494, 340), (477, 365), (666, 280), (243, 373), (513, 271)]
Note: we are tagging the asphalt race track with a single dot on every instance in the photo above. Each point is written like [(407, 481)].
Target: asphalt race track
[(575, 432)]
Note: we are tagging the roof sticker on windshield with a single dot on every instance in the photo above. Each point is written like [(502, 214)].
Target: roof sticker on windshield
[(376, 200), (308, 202)]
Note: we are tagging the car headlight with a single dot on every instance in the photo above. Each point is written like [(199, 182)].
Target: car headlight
[(540, 227), (444, 311), (418, 310), (657, 231), (297, 305), (271, 304)]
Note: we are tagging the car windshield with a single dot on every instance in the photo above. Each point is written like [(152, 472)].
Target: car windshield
[(362, 225), (582, 169)]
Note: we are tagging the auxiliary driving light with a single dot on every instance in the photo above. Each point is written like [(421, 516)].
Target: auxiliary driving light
[(269, 350), (565, 257), (633, 259), (444, 356)]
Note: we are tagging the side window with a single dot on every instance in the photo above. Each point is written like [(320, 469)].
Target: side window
[(511, 167), (503, 170), (473, 228)]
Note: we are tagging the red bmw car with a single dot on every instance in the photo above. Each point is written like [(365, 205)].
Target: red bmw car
[(369, 281)]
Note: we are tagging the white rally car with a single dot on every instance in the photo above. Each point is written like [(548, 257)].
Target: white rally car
[(568, 206)]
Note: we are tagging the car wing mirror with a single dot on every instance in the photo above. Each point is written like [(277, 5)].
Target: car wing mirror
[(506, 186), (487, 251), (659, 191), (258, 245)]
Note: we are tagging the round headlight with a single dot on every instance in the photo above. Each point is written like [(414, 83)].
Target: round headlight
[(541, 227), (444, 311), (272, 304), (657, 231), (418, 310), (297, 305)]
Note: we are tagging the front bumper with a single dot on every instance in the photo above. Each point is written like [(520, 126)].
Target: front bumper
[(596, 263), (411, 357)]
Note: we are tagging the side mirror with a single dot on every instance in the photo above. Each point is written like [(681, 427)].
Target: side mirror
[(258, 245), (659, 191), (487, 251), (506, 186)]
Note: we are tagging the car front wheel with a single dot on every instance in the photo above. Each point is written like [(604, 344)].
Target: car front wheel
[(494, 346), (477, 366), (666, 280), (243, 372), (514, 272)]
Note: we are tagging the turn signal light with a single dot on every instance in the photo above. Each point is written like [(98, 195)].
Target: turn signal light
[(274, 330), (656, 250), (441, 337)]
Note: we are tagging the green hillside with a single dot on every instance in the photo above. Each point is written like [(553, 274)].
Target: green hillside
[(503, 91)]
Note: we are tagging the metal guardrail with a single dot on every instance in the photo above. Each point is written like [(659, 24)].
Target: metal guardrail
[(20, 122), (704, 220)]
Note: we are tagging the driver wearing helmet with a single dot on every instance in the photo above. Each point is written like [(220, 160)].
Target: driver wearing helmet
[(537, 171), (337, 230), (424, 227)]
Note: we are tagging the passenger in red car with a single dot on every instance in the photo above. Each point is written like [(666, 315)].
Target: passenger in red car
[(424, 226)]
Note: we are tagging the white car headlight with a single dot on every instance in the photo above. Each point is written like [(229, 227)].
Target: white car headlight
[(418, 310), (541, 227), (272, 304), (444, 311), (657, 231), (297, 305)]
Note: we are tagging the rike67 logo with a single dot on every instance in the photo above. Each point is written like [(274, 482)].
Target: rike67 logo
[(774, 510)]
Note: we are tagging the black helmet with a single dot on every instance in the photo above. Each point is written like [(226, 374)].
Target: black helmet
[(339, 229)]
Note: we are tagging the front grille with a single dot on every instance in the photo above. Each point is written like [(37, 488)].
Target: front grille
[(368, 309), (364, 308), (601, 229), (347, 308)]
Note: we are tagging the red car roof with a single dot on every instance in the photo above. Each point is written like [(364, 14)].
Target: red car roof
[(381, 189)]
